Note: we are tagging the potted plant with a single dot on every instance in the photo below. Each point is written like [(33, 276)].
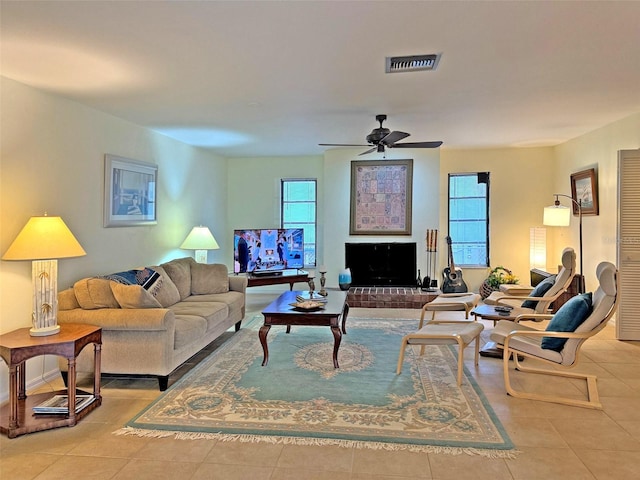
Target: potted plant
[(497, 277)]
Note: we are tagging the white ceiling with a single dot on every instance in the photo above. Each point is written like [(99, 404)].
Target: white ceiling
[(276, 78)]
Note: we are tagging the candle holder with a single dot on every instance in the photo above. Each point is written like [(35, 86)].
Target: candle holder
[(312, 287), (323, 280)]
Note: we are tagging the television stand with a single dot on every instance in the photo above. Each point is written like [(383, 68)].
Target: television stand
[(291, 277)]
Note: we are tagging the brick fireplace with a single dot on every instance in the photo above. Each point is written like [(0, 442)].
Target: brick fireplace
[(389, 297)]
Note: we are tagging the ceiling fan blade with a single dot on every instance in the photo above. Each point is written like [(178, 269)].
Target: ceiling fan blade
[(393, 137), (369, 151), (417, 145), (343, 145)]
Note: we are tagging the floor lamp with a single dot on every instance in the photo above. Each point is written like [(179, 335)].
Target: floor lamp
[(560, 216)]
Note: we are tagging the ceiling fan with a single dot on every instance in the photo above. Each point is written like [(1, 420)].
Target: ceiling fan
[(383, 137)]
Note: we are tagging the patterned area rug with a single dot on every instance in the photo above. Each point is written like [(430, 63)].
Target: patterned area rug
[(300, 398)]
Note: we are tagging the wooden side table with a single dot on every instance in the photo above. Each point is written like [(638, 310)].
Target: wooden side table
[(16, 417), (488, 312)]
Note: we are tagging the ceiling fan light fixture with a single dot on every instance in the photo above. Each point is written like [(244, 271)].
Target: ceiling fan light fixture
[(412, 63)]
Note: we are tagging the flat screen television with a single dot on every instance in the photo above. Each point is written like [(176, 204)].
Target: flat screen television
[(269, 250)]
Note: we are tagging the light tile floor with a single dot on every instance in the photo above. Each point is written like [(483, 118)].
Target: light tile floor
[(555, 441)]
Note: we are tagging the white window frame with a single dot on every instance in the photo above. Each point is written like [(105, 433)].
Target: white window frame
[(310, 247), (462, 247)]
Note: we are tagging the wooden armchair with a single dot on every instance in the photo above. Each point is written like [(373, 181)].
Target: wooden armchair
[(546, 292), (520, 340)]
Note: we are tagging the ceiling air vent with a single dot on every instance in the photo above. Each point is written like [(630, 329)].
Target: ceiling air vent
[(412, 63)]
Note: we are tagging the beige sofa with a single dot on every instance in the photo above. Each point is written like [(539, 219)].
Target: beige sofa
[(146, 333)]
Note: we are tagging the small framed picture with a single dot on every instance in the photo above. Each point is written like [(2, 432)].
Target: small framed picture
[(129, 192), (584, 190)]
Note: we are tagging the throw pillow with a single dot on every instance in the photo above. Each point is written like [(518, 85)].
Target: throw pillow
[(168, 293), (569, 317), (94, 293), (209, 278), (133, 296), (67, 300), (179, 272), (542, 288)]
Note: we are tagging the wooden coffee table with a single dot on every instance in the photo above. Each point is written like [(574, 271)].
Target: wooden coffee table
[(280, 312)]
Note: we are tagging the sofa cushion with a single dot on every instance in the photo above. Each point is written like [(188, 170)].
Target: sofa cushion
[(207, 278), (569, 317), (67, 300), (234, 300), (189, 328), (179, 270), (542, 288), (133, 296), (94, 293), (168, 293), (208, 310)]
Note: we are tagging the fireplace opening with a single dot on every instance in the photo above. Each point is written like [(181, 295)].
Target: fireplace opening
[(390, 264)]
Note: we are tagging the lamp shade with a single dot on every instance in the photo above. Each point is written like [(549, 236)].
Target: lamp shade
[(557, 216), (44, 238), (200, 238)]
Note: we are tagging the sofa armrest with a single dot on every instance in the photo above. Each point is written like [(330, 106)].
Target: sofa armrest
[(143, 319), (238, 283)]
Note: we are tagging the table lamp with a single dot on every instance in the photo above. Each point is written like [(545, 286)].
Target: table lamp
[(560, 216), (200, 239), (43, 240)]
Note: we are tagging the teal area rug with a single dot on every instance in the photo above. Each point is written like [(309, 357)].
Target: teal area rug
[(300, 398)]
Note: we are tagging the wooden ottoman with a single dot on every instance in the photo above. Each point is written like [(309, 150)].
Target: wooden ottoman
[(450, 302), (443, 333)]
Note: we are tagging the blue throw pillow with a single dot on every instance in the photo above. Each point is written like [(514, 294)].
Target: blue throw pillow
[(542, 288), (567, 319)]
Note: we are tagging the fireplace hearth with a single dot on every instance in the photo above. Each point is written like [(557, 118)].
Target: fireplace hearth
[(391, 264)]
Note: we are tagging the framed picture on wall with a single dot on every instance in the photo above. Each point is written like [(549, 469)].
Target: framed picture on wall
[(584, 189), (129, 192), (381, 197)]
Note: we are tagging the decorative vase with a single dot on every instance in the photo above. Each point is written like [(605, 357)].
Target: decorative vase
[(344, 279), (323, 281)]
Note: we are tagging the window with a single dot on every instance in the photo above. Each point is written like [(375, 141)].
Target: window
[(298, 210), (469, 218)]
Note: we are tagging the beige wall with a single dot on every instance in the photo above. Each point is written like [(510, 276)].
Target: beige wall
[(254, 190), (521, 186), (52, 160), (597, 149), (337, 188), (254, 196)]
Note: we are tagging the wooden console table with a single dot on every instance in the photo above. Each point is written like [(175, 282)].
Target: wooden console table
[(17, 418), (292, 277)]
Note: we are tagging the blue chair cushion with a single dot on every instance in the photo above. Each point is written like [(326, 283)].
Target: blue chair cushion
[(569, 317), (542, 288)]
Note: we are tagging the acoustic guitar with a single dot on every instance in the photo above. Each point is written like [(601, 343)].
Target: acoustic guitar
[(452, 281)]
